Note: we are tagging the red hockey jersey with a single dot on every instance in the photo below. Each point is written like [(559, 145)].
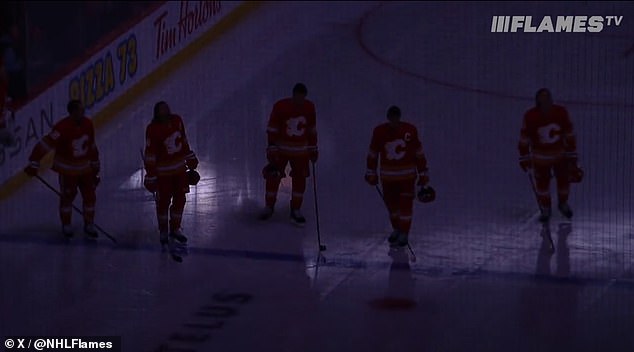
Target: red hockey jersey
[(74, 144), (167, 150), (547, 136), (4, 89), (399, 150), (292, 128)]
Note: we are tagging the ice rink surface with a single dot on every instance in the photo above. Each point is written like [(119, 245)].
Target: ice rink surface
[(484, 278)]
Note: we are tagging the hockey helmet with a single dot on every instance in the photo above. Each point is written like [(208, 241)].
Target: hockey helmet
[(393, 111), (576, 174), (427, 194), (270, 171), (193, 177), (543, 91)]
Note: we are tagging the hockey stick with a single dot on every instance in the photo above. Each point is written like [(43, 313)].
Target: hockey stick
[(388, 210), (322, 247), (74, 207), (534, 188)]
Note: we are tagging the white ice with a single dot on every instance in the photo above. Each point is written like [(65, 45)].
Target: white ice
[(483, 281)]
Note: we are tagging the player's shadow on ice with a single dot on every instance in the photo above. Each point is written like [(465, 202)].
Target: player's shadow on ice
[(549, 248), (401, 287), (48, 236), (549, 301), (248, 213), (241, 228)]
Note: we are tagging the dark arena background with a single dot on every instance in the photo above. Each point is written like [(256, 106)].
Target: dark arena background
[(480, 271)]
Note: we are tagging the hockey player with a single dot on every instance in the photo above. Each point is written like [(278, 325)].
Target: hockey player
[(167, 159), (548, 146), (402, 161), (77, 163), (292, 138), (4, 90)]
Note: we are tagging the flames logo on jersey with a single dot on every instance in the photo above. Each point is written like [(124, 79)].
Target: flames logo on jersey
[(394, 149), (80, 146), (549, 134), (173, 143), (296, 126)]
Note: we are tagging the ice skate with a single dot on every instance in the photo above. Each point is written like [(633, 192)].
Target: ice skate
[(393, 237), (163, 238), (565, 210), (91, 231), (544, 215), (297, 217), (266, 214), (401, 240), (178, 236), (67, 230)]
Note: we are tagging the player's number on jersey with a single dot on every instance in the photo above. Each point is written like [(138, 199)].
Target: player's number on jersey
[(394, 150), (80, 146), (549, 134), (173, 143), (296, 126)]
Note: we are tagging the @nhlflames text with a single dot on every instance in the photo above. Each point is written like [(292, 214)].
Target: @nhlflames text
[(61, 343)]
